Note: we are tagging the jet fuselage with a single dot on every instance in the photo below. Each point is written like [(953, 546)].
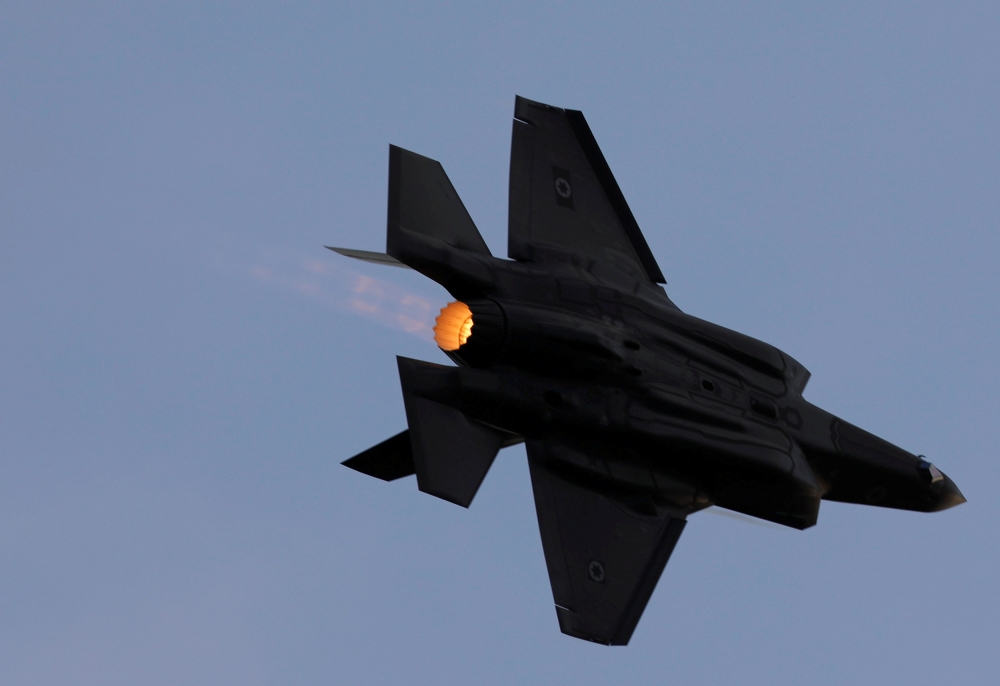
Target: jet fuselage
[(634, 414), (684, 410)]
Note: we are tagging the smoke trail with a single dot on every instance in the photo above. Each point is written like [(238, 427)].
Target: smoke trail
[(346, 290)]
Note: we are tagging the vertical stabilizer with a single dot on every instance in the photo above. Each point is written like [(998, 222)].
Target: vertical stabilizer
[(423, 201)]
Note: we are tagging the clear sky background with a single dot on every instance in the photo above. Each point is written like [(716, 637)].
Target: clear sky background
[(183, 366)]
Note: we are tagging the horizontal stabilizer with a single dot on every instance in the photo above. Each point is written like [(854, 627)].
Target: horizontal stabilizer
[(389, 460), (451, 453), (423, 201), (367, 256)]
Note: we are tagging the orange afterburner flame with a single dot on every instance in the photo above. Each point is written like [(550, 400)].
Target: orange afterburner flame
[(453, 326)]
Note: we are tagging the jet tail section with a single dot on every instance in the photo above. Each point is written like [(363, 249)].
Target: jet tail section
[(451, 453), (423, 201), (389, 460), (368, 256)]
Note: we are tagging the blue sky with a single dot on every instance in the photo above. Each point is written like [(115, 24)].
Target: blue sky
[(183, 366)]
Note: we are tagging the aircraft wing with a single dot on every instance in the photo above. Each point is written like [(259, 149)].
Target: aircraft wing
[(563, 194), (604, 554)]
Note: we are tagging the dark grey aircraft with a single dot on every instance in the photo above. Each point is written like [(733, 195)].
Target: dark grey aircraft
[(634, 414)]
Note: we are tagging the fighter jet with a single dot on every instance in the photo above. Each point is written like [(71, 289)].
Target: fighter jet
[(634, 414)]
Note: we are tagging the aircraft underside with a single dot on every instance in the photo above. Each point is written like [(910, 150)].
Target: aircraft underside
[(633, 414)]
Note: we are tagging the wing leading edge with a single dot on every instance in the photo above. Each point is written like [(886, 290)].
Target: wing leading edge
[(604, 556)]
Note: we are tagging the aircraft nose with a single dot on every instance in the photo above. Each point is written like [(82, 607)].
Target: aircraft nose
[(948, 496)]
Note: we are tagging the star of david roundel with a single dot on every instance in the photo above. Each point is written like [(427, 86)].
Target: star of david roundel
[(563, 188), (562, 183), (596, 571)]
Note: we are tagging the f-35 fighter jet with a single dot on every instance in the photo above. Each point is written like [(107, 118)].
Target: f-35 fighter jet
[(634, 414)]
